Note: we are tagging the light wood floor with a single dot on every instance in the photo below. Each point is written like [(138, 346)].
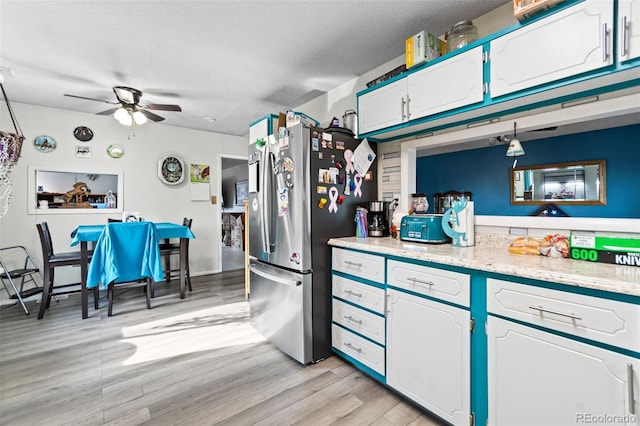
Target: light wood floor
[(195, 361)]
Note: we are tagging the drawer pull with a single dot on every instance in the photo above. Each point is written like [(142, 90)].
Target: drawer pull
[(549, 311), (349, 345), (415, 280), (605, 48), (352, 319), (632, 402), (350, 263), (351, 293)]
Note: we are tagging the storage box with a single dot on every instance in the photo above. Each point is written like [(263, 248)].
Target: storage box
[(525, 9), (422, 47), (616, 248)]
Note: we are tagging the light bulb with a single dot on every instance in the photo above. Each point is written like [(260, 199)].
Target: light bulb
[(126, 120), (139, 117), (121, 114)]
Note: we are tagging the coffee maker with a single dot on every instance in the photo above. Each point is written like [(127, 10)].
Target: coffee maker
[(377, 219)]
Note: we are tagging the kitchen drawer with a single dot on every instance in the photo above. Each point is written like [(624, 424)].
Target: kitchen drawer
[(365, 295), (363, 265), (450, 286), (362, 322), (358, 348), (602, 320)]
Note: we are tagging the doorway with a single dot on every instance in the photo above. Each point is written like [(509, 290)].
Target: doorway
[(234, 175)]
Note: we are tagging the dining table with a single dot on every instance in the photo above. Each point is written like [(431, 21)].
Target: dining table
[(84, 234)]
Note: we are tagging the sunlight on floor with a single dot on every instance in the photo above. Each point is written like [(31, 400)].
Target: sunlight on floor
[(207, 329)]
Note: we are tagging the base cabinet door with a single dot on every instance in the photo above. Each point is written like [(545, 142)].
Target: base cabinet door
[(538, 378), (428, 354)]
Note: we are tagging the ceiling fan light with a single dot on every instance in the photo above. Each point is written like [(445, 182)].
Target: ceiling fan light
[(139, 117), (121, 114), (515, 148), (125, 119)]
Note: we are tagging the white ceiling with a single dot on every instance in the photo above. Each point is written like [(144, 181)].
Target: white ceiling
[(234, 61)]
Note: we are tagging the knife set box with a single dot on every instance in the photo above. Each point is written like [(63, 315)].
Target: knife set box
[(616, 248)]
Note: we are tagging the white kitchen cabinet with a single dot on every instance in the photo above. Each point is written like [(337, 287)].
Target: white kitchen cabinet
[(628, 30), (383, 107), (575, 40), (449, 84), (361, 265), (428, 354), (538, 378)]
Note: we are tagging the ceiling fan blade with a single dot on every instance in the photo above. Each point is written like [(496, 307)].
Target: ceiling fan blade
[(107, 112), (92, 99), (151, 116), (162, 107)]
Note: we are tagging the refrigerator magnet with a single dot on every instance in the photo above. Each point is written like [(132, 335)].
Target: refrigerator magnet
[(320, 156), (321, 189), (315, 144), (340, 199), (340, 145), (322, 202), (288, 164), (283, 202)]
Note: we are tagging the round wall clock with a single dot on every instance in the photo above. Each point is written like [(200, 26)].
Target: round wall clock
[(83, 133), (171, 169)]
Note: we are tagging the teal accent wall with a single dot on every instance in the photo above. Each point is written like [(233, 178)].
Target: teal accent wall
[(485, 172)]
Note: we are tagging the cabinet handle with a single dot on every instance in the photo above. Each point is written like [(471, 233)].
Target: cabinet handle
[(353, 294), (632, 402), (415, 280), (408, 108), (350, 263), (623, 49), (402, 102), (349, 345), (549, 311), (605, 47), (350, 318)]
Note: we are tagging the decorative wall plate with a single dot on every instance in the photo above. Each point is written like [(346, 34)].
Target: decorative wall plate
[(171, 169), (83, 133), (115, 151), (44, 143)]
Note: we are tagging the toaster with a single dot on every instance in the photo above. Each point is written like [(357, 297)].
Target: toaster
[(423, 228)]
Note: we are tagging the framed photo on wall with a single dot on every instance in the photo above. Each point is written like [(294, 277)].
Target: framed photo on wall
[(242, 191)]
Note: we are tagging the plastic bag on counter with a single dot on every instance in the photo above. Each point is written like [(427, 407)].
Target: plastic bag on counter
[(555, 246), (525, 245)]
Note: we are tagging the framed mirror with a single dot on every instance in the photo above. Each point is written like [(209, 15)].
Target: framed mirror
[(575, 183), (60, 190)]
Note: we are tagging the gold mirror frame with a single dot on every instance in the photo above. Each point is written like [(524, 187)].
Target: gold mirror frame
[(531, 196)]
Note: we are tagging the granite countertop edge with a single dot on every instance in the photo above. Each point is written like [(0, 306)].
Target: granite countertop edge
[(491, 255)]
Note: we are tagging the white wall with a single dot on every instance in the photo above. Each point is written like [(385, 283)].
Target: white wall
[(143, 191)]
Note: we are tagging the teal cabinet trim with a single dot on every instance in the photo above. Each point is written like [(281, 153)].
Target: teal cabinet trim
[(423, 296), (357, 278), (479, 357), (350, 330)]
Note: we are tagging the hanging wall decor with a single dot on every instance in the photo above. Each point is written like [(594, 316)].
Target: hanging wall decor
[(44, 143), (10, 149), (83, 133), (171, 169)]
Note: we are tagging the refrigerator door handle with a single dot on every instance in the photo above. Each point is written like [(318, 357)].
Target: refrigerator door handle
[(264, 200), (271, 277)]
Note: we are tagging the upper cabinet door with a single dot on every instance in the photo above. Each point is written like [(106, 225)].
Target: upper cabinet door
[(452, 83), (383, 107), (572, 41), (628, 29)]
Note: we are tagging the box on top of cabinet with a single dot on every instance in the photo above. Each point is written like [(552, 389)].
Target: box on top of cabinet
[(422, 47), (525, 9), (616, 248)]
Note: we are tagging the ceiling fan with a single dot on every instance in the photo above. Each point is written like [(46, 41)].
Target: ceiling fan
[(130, 110)]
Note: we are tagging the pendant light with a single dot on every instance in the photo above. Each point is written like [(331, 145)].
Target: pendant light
[(515, 147)]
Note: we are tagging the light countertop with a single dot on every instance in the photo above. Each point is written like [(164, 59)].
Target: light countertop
[(490, 254)]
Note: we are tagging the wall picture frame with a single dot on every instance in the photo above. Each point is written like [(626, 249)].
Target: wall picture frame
[(242, 191), (83, 151)]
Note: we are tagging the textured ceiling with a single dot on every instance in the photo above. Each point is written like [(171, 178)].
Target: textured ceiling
[(234, 61)]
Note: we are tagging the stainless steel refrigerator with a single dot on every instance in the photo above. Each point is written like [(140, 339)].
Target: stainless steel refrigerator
[(303, 191)]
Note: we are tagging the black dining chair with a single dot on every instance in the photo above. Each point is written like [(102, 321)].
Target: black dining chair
[(52, 260), (127, 254), (168, 249)]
